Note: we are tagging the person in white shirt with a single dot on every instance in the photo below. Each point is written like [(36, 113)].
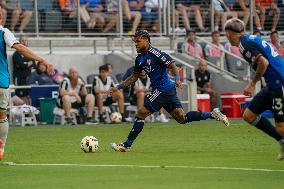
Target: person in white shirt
[(73, 94), (100, 88)]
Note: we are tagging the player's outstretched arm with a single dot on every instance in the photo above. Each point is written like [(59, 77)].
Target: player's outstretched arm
[(23, 50), (130, 80), (262, 64), (175, 73)]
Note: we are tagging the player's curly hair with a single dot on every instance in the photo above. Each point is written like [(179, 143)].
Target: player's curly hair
[(142, 33), (235, 25)]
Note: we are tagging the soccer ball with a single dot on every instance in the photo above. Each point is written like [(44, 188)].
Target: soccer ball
[(116, 117), (89, 144)]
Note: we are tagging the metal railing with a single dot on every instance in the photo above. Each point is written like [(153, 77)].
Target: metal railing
[(47, 18)]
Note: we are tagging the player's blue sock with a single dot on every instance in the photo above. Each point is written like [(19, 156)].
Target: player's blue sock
[(136, 129), (265, 125), (196, 116)]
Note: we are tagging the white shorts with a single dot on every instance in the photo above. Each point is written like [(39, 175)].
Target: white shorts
[(4, 99)]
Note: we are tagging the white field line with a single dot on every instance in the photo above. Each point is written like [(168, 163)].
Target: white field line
[(148, 166)]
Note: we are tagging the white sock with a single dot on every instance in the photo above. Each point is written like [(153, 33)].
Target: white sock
[(4, 127)]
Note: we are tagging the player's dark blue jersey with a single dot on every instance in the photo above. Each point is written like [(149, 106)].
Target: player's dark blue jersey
[(155, 64), (252, 47)]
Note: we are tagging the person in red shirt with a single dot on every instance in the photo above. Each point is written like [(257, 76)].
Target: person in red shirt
[(268, 5)]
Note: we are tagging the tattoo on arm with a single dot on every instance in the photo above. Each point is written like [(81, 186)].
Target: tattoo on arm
[(262, 65), (130, 80), (174, 69)]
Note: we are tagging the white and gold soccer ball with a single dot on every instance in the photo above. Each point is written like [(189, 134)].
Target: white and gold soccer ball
[(89, 144), (116, 117)]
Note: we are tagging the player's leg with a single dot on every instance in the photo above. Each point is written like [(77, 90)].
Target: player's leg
[(262, 101), (280, 130), (152, 104), (4, 125), (174, 107), (138, 125)]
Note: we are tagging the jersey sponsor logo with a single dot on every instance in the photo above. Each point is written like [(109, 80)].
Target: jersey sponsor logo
[(149, 61), (248, 54)]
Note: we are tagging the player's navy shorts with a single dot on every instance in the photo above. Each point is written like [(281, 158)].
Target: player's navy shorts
[(157, 100), (269, 100)]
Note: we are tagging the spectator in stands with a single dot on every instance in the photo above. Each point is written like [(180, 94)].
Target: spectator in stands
[(221, 13), (21, 10), (22, 67), (132, 10), (3, 11), (150, 17), (268, 5), (203, 81), (191, 46), (110, 73), (275, 43), (242, 7), (100, 88), (69, 10), (185, 7), (73, 94), (39, 76), (95, 9), (211, 51), (142, 88), (111, 7)]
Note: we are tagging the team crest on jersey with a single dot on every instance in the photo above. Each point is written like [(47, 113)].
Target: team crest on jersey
[(248, 54), (149, 61)]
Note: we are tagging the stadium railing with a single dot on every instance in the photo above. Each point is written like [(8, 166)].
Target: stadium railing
[(49, 19)]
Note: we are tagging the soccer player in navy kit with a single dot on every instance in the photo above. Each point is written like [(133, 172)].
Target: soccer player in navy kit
[(163, 94), (268, 64)]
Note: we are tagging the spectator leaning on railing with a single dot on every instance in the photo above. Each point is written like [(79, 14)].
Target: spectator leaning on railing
[(211, 51), (275, 43), (191, 46)]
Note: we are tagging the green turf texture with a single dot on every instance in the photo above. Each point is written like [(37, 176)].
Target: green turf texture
[(206, 144)]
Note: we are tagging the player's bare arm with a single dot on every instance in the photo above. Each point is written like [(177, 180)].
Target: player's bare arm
[(175, 73), (130, 80), (262, 65), (28, 53)]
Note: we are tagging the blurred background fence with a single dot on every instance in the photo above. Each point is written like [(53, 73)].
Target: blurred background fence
[(122, 17)]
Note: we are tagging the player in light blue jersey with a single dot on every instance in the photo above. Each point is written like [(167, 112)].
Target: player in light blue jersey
[(268, 64), (8, 39), (163, 95)]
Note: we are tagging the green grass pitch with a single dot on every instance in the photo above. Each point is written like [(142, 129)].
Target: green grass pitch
[(201, 155)]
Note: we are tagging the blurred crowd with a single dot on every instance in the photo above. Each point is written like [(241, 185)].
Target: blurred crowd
[(103, 15)]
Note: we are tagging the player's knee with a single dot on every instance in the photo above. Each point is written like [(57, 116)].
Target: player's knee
[(248, 117), (3, 116), (181, 119), (280, 128)]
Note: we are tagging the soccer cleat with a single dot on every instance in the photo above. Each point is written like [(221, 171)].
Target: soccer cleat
[(216, 113), (281, 154), (119, 147), (1, 149)]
